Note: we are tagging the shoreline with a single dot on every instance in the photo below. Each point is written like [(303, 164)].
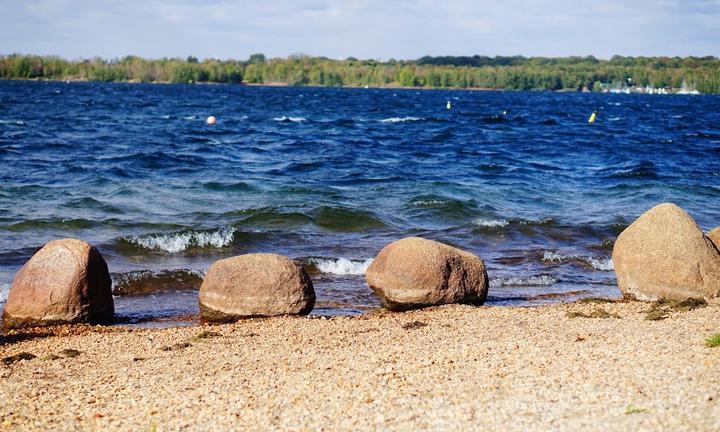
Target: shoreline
[(281, 84), (454, 366)]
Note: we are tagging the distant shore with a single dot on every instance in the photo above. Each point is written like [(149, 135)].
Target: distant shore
[(577, 366), (270, 84)]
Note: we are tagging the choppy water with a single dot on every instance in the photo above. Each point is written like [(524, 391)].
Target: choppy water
[(329, 176)]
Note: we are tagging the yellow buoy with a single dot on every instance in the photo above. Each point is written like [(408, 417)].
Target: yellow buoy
[(211, 120), (593, 116), (449, 105)]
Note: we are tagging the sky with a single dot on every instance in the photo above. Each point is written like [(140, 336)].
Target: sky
[(366, 29)]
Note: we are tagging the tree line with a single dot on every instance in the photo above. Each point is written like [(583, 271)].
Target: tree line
[(501, 72)]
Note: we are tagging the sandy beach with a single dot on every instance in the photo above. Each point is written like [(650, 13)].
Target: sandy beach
[(444, 368)]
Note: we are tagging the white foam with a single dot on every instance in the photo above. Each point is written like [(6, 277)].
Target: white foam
[(428, 202), (290, 119), (553, 256), (400, 119), (342, 266), (491, 223), (15, 122), (600, 263), (4, 290), (178, 242), (538, 280)]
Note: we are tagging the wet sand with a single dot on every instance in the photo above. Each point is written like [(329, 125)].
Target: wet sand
[(444, 368)]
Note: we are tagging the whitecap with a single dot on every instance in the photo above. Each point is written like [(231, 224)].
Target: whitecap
[(490, 223), (178, 242), (401, 119), (342, 266), (552, 256), (13, 122), (535, 280), (290, 119), (602, 264), (427, 202)]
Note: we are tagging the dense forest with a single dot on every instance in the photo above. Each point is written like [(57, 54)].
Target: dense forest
[(507, 73)]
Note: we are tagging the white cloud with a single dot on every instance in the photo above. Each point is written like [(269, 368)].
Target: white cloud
[(361, 28)]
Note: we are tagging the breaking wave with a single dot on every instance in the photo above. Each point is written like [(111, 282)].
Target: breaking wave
[(597, 263), (336, 266), (401, 119), (290, 119), (182, 241), (490, 223)]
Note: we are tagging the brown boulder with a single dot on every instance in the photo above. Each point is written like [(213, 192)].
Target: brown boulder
[(415, 272), (67, 281), (255, 285), (714, 236), (664, 254)]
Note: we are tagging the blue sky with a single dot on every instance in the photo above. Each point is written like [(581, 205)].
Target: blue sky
[(360, 28)]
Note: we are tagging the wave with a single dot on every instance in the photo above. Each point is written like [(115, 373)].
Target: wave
[(183, 240), (144, 282), (337, 266), (91, 203), (290, 119), (525, 226), (272, 217), (4, 290), (54, 223), (346, 219), (13, 122), (642, 170), (228, 187), (401, 119), (444, 207), (597, 263), (491, 223), (535, 280)]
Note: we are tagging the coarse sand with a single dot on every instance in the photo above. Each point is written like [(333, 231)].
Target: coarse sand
[(576, 366)]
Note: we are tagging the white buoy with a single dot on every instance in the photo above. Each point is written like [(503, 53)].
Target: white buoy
[(449, 105), (211, 120)]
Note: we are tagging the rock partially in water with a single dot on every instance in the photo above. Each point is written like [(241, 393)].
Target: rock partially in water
[(67, 281), (714, 236), (664, 254), (415, 272), (255, 285)]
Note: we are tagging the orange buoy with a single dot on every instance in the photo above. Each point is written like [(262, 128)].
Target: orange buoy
[(211, 120)]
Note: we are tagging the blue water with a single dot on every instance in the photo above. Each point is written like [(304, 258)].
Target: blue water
[(329, 176)]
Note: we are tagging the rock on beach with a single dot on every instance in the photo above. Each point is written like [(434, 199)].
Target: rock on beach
[(416, 272), (255, 285), (67, 281), (664, 254)]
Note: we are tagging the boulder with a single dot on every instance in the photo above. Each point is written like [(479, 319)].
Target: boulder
[(415, 272), (67, 281), (664, 254), (255, 285), (714, 236)]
